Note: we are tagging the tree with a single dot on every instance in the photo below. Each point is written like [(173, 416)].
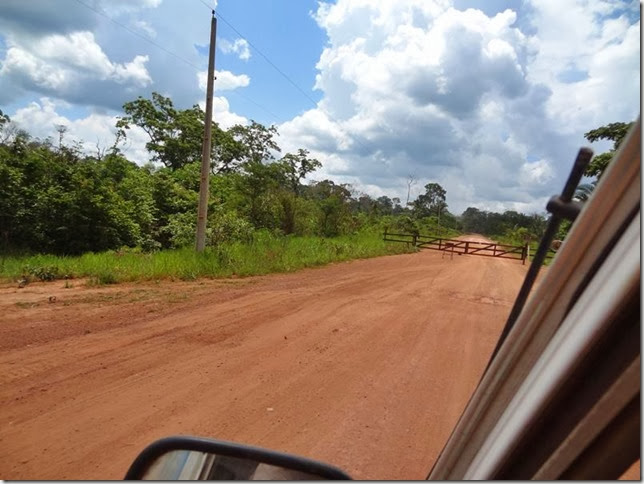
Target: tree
[(175, 200), (289, 172), (432, 202), (385, 205), (4, 120), (227, 152), (8, 130), (510, 223), (296, 167), (61, 129), (364, 204), (256, 179), (333, 201), (259, 184), (58, 199), (474, 220), (397, 208), (615, 132), (176, 136), (257, 141), (327, 188), (51, 205)]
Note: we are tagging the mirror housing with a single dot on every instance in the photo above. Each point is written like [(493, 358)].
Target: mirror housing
[(168, 458)]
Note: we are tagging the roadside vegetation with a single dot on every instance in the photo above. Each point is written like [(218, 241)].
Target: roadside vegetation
[(65, 213), (265, 254)]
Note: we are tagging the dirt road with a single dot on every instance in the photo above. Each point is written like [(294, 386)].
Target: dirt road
[(366, 364)]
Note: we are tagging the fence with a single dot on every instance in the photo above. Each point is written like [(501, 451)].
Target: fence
[(460, 247)]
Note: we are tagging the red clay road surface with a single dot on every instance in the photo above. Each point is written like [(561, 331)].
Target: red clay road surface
[(366, 364)]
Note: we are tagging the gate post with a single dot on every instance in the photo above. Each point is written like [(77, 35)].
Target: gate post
[(415, 240), (467, 247)]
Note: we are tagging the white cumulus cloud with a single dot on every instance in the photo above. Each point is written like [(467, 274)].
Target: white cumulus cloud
[(594, 71), (238, 46), (470, 100), (144, 27), (222, 114), (64, 62), (224, 80), (95, 131)]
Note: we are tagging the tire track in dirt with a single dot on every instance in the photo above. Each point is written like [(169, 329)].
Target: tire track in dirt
[(366, 364)]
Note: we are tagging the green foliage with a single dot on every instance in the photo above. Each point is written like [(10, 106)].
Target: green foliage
[(511, 224), (227, 227), (288, 210), (384, 205), (4, 120), (615, 132), (111, 220), (41, 272), (266, 253), (181, 229), (176, 135), (50, 202), (295, 167), (333, 201), (563, 230), (443, 227), (334, 216), (307, 216), (598, 164), (257, 186), (432, 202), (404, 224), (102, 279), (519, 236), (257, 142)]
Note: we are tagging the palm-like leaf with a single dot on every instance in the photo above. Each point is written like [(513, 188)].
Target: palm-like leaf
[(584, 191)]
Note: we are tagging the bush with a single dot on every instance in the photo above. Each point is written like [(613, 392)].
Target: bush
[(103, 278), (404, 224), (266, 253), (43, 273), (228, 227), (181, 229)]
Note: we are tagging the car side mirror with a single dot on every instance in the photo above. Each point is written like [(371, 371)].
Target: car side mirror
[(191, 458)]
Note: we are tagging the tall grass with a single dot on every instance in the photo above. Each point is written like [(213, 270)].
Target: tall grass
[(534, 245), (265, 254)]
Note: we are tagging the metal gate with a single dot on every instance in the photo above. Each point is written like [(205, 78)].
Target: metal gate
[(460, 247)]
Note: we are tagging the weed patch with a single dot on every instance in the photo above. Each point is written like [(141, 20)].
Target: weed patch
[(263, 255)]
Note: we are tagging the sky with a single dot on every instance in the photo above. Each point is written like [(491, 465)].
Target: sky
[(488, 98)]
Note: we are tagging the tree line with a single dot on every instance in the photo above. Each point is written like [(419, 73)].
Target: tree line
[(55, 198)]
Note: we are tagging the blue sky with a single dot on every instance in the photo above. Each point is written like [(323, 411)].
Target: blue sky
[(489, 99), (287, 34)]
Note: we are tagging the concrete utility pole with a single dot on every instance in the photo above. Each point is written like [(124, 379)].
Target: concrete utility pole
[(411, 179), (202, 214)]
